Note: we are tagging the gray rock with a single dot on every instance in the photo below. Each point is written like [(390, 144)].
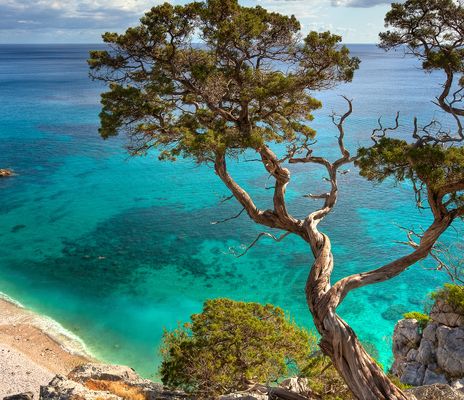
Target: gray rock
[(61, 388), (96, 382), (20, 396), (450, 350), (435, 392), (406, 336), (426, 353), (105, 372), (429, 332), (431, 377), (413, 374), (446, 314), (412, 355)]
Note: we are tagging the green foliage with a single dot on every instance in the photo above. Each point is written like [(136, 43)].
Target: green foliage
[(324, 380), (422, 318), (245, 85), (231, 343), (452, 294), (436, 166), (396, 381), (431, 29)]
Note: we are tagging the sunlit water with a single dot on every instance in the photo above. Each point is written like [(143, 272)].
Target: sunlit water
[(115, 249)]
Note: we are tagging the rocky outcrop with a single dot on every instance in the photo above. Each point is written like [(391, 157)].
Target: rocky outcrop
[(435, 392), (115, 382), (434, 355), (105, 382)]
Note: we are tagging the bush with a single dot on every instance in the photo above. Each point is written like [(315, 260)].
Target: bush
[(422, 318), (324, 380), (230, 344), (452, 294)]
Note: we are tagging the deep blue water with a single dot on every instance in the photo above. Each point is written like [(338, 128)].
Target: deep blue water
[(115, 248)]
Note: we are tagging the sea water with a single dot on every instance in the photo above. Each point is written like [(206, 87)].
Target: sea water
[(116, 248)]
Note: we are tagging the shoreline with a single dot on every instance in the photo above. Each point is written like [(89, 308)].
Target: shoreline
[(34, 348)]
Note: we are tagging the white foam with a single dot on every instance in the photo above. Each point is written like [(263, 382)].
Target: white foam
[(68, 340)]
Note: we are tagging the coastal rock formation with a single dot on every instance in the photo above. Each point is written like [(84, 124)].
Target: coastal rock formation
[(5, 172), (114, 382), (435, 392), (434, 355), (105, 382)]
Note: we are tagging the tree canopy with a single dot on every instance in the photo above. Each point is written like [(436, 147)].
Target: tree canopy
[(231, 344), (214, 76)]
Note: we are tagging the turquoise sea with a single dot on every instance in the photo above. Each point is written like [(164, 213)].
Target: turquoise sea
[(116, 248)]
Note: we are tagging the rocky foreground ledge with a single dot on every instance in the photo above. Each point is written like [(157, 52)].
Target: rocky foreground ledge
[(112, 382), (431, 354)]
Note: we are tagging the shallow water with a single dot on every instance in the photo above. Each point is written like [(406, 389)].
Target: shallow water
[(115, 249)]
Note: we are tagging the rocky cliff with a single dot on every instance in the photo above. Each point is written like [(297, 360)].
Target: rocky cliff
[(431, 354)]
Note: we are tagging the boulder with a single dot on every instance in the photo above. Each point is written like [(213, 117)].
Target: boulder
[(426, 353), (61, 388), (20, 396), (413, 373), (446, 314), (450, 350), (431, 377), (430, 331), (106, 382), (406, 337), (106, 372), (297, 385), (435, 392)]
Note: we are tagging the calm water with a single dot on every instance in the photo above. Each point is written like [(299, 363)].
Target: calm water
[(115, 249)]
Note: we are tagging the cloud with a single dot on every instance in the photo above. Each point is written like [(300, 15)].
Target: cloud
[(299, 8), (71, 14), (359, 3)]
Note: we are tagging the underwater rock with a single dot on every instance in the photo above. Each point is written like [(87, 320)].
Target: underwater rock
[(5, 172)]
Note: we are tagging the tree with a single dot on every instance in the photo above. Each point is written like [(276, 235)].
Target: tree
[(231, 344), (247, 88)]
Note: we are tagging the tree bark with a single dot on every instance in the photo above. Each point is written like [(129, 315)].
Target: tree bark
[(361, 373)]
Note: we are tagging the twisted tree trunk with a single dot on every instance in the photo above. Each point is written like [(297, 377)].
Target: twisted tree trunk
[(361, 373)]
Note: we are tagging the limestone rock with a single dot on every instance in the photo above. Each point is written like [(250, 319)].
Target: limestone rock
[(297, 385), (446, 314), (105, 372), (61, 388), (436, 392), (106, 382), (426, 353), (413, 374), (458, 384), (430, 331), (406, 337), (431, 377), (450, 350)]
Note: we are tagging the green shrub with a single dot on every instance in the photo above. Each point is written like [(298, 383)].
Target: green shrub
[(422, 318), (324, 380), (396, 381), (230, 344), (452, 294)]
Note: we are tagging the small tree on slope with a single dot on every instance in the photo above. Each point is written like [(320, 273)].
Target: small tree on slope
[(247, 87)]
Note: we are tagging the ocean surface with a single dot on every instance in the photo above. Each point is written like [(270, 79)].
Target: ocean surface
[(115, 248)]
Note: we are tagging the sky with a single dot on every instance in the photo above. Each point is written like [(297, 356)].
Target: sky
[(83, 21)]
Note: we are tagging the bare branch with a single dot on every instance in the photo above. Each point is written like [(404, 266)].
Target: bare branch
[(270, 235), (228, 219)]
